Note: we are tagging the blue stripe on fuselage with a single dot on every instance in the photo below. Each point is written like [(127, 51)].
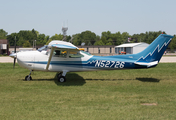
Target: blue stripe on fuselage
[(96, 62)]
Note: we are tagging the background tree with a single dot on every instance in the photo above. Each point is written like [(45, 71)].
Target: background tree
[(110, 42), (57, 37), (41, 39), (26, 44), (68, 38), (3, 34), (11, 38), (20, 41), (117, 37), (87, 37), (28, 35), (105, 36), (100, 42), (104, 40), (172, 44), (77, 39)]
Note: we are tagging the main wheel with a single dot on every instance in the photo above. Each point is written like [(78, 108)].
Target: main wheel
[(61, 79), (27, 78)]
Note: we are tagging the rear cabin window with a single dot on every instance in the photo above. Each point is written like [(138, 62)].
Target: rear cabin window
[(75, 54)]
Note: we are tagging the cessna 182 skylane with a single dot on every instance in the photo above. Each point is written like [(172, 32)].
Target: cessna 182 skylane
[(63, 57)]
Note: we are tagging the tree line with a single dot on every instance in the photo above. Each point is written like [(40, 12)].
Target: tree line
[(26, 38)]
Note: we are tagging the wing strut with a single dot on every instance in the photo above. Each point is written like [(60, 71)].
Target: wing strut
[(49, 60)]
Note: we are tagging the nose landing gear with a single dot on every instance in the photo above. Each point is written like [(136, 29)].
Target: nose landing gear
[(28, 77)]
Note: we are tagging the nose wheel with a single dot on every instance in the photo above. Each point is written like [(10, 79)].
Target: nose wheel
[(28, 77)]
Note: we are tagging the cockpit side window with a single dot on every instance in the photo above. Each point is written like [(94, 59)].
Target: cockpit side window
[(60, 53), (75, 54)]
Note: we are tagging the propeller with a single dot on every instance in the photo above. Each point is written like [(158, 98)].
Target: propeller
[(14, 62), (15, 53)]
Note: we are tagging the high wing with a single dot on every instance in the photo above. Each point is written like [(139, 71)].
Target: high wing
[(62, 45), (59, 45)]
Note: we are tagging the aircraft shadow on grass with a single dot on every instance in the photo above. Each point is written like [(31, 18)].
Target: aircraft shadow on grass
[(148, 79), (73, 79), (140, 79), (103, 79)]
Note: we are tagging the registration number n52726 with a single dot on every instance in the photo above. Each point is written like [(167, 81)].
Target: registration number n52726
[(109, 64)]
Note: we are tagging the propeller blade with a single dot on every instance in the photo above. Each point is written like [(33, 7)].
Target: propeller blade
[(15, 56), (14, 62)]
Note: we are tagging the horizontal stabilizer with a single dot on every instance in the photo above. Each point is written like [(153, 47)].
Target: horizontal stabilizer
[(148, 64)]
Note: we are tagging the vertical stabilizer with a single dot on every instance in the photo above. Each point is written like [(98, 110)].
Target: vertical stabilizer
[(155, 50)]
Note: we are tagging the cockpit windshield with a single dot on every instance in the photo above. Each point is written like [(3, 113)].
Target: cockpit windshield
[(43, 48), (87, 53)]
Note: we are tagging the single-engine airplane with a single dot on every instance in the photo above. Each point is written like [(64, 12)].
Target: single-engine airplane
[(64, 57)]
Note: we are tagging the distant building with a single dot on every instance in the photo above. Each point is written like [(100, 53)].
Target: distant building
[(130, 48), (104, 50), (100, 49), (4, 49)]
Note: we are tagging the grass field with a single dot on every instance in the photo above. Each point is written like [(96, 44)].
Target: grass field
[(102, 95)]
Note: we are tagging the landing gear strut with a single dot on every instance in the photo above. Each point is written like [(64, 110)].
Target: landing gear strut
[(61, 76), (28, 77)]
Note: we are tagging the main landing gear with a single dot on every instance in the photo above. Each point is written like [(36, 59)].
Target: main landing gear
[(28, 77), (61, 76)]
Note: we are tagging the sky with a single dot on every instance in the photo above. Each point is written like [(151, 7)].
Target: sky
[(49, 16)]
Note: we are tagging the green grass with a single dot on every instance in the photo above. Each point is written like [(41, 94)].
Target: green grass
[(102, 95), (169, 56)]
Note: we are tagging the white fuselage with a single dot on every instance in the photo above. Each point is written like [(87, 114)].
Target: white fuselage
[(35, 60)]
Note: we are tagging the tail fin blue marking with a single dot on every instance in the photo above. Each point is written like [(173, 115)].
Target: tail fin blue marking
[(155, 50)]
